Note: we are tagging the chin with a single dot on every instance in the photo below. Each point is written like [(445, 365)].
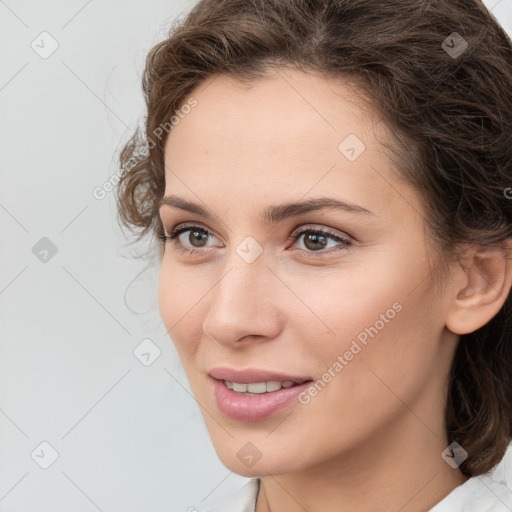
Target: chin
[(245, 459)]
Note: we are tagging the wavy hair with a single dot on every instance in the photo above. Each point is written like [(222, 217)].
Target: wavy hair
[(449, 113)]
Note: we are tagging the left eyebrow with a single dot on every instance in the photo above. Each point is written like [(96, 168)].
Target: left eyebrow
[(273, 214)]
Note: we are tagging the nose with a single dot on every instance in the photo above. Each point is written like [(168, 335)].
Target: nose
[(244, 303)]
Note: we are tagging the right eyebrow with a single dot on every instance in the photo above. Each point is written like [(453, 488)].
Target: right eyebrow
[(275, 213)]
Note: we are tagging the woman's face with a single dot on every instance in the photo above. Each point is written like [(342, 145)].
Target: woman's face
[(361, 320)]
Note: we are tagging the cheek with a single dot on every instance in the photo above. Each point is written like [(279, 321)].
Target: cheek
[(346, 304), (370, 325), (178, 298), (384, 348)]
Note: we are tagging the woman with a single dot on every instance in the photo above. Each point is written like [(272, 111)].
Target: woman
[(330, 180)]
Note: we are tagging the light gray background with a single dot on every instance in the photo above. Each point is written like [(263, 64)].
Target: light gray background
[(129, 437)]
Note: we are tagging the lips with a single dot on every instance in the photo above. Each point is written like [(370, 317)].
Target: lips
[(253, 375), (248, 406)]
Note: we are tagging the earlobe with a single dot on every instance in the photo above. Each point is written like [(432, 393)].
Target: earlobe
[(480, 288)]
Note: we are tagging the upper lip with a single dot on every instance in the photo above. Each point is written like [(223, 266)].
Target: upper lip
[(253, 375)]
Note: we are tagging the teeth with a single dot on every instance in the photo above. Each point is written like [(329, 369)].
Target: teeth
[(257, 388), (240, 388), (273, 385)]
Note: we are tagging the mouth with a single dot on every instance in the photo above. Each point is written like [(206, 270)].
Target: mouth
[(254, 395), (256, 376), (259, 388)]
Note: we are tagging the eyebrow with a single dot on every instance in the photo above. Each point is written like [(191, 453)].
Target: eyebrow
[(272, 214)]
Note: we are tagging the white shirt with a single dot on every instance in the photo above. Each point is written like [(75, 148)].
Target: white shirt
[(491, 492)]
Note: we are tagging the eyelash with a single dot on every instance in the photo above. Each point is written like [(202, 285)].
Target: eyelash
[(345, 242)]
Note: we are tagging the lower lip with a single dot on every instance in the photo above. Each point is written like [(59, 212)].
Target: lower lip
[(241, 407)]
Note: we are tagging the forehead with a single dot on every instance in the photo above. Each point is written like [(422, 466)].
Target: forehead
[(288, 132), (287, 104)]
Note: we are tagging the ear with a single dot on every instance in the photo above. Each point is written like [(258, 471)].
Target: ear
[(481, 286)]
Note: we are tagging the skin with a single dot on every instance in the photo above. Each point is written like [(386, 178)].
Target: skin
[(372, 438)]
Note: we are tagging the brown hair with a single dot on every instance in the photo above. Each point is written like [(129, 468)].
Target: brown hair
[(451, 119)]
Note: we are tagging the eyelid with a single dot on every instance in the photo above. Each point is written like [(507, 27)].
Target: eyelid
[(190, 225), (295, 230), (301, 228), (343, 241)]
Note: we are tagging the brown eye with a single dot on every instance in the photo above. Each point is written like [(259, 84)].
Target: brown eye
[(316, 240), (193, 243), (196, 237)]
